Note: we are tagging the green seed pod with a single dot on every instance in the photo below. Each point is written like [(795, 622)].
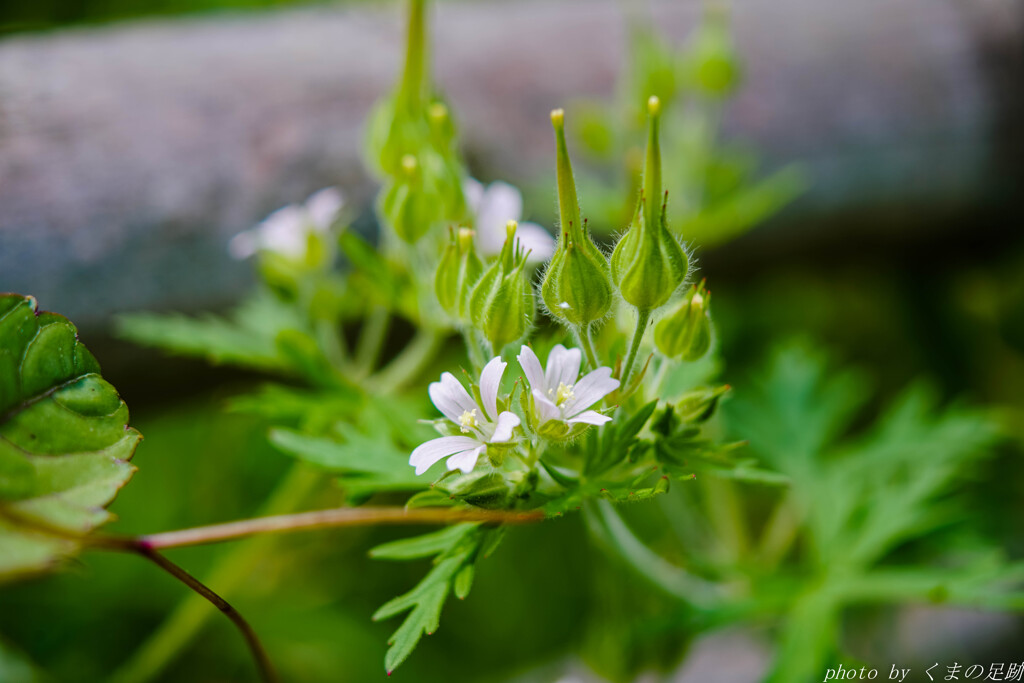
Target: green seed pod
[(501, 304), (685, 333), (648, 264), (576, 288), (410, 206), (713, 65), (458, 271)]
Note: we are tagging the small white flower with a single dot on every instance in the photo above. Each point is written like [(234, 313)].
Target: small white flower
[(481, 427), (557, 395), (287, 230), (496, 205)]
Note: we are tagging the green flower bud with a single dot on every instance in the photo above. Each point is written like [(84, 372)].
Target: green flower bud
[(686, 332), (648, 264), (713, 65), (410, 206), (459, 270), (576, 289), (501, 304)]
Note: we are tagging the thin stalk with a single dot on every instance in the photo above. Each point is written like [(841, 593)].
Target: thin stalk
[(643, 317), (328, 519), (409, 363), (475, 355), (587, 342), (371, 339), (259, 655), (229, 571)]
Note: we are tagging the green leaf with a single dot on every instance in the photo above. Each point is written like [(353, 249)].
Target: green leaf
[(247, 338), (65, 442), (426, 545), (455, 548)]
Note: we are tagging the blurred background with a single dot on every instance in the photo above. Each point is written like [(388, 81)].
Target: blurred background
[(856, 181)]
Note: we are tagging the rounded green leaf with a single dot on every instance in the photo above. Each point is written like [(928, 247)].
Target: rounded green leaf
[(65, 442)]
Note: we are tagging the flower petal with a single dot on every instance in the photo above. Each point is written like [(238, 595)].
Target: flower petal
[(503, 428), (532, 368), (545, 407), (323, 206), (428, 453), (536, 240), (501, 203), (590, 417), (563, 366), (592, 388), (490, 381), (466, 460), (451, 398), (243, 245), (473, 190)]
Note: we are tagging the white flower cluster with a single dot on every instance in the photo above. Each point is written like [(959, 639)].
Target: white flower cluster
[(559, 395)]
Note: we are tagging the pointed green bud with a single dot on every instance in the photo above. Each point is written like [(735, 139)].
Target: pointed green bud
[(685, 333), (712, 61), (501, 304), (457, 272), (576, 289), (410, 206), (648, 264)]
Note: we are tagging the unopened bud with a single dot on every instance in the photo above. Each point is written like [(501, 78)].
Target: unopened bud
[(685, 333), (501, 304), (411, 206), (457, 272), (648, 264), (577, 289)]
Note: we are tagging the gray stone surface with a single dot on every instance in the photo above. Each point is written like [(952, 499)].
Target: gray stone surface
[(129, 154)]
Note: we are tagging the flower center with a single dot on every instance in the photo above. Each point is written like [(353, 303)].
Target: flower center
[(562, 394), (467, 420)]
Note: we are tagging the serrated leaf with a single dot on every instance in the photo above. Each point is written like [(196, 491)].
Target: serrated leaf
[(65, 442), (426, 545)]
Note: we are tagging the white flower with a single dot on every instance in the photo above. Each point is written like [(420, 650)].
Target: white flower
[(287, 230), (481, 427), (557, 395), (496, 205)]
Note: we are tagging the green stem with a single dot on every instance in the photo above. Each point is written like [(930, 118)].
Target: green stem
[(415, 56), (587, 342), (371, 339), (475, 355), (409, 363), (181, 627), (643, 317)]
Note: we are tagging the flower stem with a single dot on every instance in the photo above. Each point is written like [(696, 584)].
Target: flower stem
[(643, 317), (327, 519), (371, 339), (473, 348), (409, 363), (229, 571), (587, 342)]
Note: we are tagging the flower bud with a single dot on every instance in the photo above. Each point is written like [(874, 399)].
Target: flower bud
[(501, 303), (686, 332), (576, 288), (410, 206), (458, 271), (648, 264), (713, 63)]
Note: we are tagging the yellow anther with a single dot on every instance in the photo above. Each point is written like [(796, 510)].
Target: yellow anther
[(468, 420)]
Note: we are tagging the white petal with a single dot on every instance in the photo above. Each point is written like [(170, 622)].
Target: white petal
[(243, 245), (473, 189), (537, 241), (284, 231), (451, 398), (589, 390), (532, 368), (590, 417), (323, 206), (563, 366), (490, 381), (546, 409), (428, 453), (466, 460), (501, 203), (503, 429)]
